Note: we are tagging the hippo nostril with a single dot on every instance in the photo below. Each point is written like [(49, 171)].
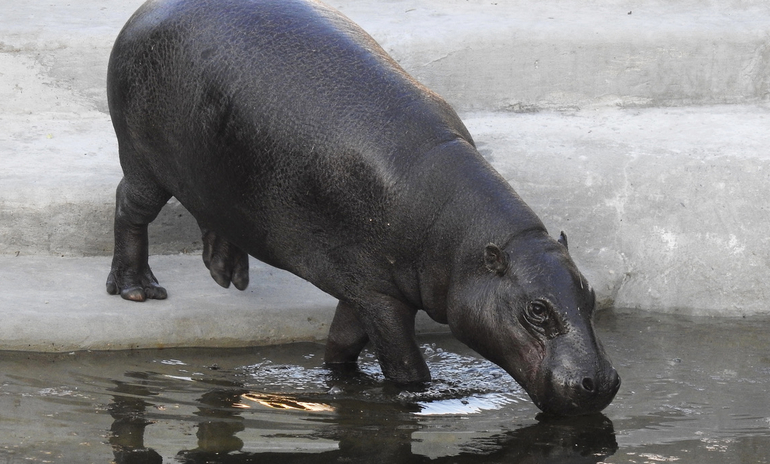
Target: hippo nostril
[(588, 385), (615, 381)]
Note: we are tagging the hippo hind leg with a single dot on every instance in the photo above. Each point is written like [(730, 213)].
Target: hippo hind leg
[(226, 262), (390, 327), (347, 337), (137, 204)]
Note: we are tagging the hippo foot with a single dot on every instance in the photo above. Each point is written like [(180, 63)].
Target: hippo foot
[(226, 262), (135, 286)]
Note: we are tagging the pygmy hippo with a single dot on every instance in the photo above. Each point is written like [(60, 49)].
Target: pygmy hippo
[(291, 136)]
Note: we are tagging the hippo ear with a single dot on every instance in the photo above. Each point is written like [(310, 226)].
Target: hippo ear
[(495, 259), (563, 240)]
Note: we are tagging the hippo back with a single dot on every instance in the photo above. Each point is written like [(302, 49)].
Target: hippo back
[(259, 116)]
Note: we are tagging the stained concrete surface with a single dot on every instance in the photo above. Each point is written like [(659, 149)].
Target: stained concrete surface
[(639, 128), (59, 304)]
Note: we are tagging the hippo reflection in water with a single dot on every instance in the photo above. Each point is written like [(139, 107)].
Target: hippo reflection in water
[(387, 436), (291, 136)]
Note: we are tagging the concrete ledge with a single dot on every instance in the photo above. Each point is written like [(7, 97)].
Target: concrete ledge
[(514, 55), (666, 209), (524, 55), (60, 304)]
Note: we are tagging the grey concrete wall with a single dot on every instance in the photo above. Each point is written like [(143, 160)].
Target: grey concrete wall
[(529, 55), (481, 55), (601, 114), (666, 208)]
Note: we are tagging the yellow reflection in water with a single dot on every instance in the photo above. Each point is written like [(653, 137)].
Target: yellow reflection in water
[(285, 402)]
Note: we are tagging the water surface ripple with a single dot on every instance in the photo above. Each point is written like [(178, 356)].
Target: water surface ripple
[(694, 391)]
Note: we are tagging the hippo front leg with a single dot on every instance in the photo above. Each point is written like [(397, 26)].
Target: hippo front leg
[(137, 204), (225, 261), (389, 325)]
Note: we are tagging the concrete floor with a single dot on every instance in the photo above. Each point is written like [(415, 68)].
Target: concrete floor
[(641, 130)]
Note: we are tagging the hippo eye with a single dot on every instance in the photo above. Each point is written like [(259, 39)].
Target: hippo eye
[(537, 312)]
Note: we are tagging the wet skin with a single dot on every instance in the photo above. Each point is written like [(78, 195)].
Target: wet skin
[(291, 136)]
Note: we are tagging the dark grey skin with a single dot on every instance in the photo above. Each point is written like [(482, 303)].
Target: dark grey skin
[(291, 136)]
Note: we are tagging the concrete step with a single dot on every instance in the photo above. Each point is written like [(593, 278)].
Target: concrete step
[(525, 55), (51, 303), (518, 55), (664, 207)]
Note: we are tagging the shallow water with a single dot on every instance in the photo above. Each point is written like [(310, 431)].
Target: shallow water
[(694, 391)]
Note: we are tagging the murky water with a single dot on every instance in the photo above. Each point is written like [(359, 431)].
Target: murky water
[(694, 391)]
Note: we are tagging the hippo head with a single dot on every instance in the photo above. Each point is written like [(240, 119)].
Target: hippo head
[(527, 308)]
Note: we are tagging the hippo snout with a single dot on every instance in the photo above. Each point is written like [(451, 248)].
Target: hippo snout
[(593, 394), (575, 393)]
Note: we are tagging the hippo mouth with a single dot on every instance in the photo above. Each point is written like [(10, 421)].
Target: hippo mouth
[(586, 395)]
